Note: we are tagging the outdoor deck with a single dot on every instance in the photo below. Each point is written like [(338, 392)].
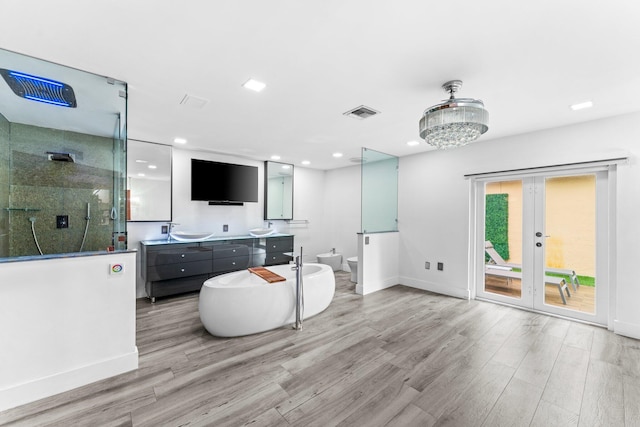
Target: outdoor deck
[(582, 300)]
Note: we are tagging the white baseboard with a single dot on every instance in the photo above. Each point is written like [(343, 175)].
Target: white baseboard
[(64, 381), (630, 330), (436, 288), (376, 286)]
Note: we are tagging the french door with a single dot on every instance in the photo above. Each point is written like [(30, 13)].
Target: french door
[(543, 242)]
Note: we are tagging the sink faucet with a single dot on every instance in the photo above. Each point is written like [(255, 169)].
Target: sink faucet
[(171, 225), (333, 251), (269, 224)]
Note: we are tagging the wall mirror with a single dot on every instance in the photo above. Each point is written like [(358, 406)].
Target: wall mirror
[(148, 181), (278, 189)]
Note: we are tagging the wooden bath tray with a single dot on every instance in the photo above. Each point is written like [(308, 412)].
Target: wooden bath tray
[(267, 275)]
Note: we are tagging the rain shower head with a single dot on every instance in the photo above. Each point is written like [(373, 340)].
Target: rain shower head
[(39, 88), (61, 157)]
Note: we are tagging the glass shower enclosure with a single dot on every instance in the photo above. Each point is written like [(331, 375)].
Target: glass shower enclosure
[(62, 159)]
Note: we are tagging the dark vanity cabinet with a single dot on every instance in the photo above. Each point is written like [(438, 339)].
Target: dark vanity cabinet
[(173, 267)]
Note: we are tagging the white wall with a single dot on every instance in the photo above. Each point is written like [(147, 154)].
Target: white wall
[(342, 211), (198, 215), (65, 322), (433, 221), (308, 205), (434, 203), (377, 262)]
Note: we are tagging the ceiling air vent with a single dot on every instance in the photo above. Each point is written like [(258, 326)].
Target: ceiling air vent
[(361, 112), (193, 101)]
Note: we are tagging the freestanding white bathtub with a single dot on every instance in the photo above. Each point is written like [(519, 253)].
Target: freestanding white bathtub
[(241, 303)]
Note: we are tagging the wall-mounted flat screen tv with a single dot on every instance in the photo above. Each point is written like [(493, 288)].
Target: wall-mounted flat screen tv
[(225, 183)]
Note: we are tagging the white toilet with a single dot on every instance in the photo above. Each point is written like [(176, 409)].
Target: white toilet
[(353, 266), (331, 259)]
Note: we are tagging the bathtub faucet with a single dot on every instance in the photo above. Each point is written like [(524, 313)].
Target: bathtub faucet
[(299, 292)]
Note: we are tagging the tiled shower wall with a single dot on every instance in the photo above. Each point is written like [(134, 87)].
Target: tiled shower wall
[(35, 187)]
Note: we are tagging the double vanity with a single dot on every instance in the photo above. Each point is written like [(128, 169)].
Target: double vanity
[(171, 267)]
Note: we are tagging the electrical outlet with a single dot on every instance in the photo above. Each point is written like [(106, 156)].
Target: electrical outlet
[(440, 266), (225, 228), (165, 229), (427, 265)]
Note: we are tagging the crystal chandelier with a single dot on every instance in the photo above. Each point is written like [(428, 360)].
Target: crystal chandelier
[(454, 122)]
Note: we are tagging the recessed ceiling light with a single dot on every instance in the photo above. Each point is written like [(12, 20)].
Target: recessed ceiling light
[(306, 162), (413, 143), (275, 157), (337, 155), (141, 161), (180, 141), (152, 167), (581, 105), (140, 174), (254, 85)]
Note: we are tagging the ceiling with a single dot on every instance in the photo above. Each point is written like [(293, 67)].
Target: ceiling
[(527, 61)]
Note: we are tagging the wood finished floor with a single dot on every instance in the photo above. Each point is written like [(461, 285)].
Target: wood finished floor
[(398, 357)]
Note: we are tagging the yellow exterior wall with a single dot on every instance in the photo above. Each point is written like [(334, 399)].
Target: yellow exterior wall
[(570, 221)]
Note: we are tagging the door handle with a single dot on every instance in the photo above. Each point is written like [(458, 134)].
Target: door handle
[(539, 244)]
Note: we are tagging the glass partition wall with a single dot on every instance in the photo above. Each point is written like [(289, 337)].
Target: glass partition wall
[(379, 192), (62, 159)]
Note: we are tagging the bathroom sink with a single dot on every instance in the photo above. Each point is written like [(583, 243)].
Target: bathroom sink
[(186, 236), (259, 232)]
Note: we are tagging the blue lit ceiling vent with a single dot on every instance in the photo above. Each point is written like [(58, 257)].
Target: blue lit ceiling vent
[(39, 89)]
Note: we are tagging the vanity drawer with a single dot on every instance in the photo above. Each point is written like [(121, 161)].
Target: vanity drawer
[(179, 254), (175, 286), (176, 270), (275, 259), (230, 263), (282, 244), (229, 251)]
